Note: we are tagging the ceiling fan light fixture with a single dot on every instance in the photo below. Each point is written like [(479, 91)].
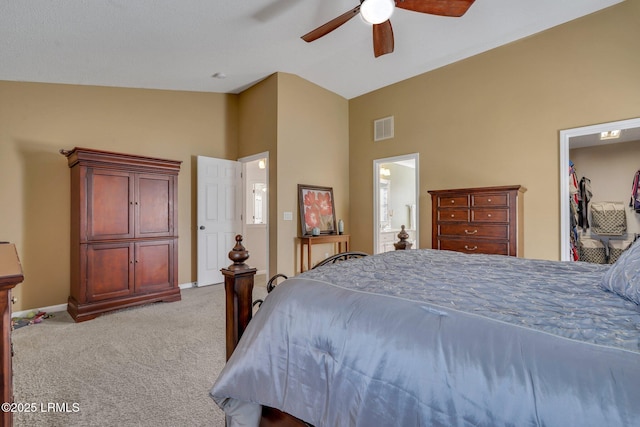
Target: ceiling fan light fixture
[(376, 11)]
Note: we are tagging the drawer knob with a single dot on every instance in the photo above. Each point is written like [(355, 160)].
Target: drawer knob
[(452, 216), (470, 232), (469, 248), (489, 215), (489, 200), (453, 201)]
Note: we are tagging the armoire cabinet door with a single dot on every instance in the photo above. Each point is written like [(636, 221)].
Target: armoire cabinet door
[(154, 205), (109, 270), (154, 265), (109, 204)]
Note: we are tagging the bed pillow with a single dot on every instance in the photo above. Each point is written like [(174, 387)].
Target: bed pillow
[(623, 278)]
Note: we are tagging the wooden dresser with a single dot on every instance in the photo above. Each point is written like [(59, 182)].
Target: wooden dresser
[(124, 231), (10, 276), (478, 220)]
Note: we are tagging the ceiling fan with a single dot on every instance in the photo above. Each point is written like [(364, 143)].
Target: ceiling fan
[(378, 12)]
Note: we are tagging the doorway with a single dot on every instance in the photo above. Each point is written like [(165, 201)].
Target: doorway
[(255, 226), (395, 201), (568, 139)]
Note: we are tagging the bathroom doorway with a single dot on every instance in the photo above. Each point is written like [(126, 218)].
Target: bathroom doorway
[(396, 192)]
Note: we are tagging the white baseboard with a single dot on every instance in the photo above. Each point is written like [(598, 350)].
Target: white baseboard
[(63, 307)]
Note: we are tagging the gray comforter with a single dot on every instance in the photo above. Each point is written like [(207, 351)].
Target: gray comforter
[(437, 338)]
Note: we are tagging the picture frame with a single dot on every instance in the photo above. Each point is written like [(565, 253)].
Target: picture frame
[(317, 209)]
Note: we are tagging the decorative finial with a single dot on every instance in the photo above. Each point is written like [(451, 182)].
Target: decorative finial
[(238, 254), (403, 236)]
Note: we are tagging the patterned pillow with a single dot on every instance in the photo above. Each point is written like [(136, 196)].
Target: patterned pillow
[(623, 278)]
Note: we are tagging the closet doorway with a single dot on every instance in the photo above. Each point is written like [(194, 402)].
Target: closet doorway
[(395, 201), (588, 136)]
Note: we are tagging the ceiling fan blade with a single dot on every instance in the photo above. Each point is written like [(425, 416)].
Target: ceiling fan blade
[(331, 25), (382, 38), (454, 8)]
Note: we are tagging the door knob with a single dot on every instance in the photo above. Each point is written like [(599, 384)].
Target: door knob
[(202, 227)]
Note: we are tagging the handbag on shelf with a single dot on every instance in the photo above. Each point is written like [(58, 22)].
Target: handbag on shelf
[(608, 218), (592, 250), (617, 247)]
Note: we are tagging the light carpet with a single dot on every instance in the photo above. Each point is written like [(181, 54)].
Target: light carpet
[(146, 366)]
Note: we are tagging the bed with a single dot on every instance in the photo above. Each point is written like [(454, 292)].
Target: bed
[(439, 338)]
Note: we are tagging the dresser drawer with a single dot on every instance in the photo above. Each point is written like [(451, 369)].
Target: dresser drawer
[(490, 215), (489, 199), (453, 215), (491, 231), (474, 246), (445, 201)]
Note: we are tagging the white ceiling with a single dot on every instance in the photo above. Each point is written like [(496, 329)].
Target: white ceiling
[(180, 44)]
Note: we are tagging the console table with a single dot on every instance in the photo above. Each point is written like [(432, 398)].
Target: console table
[(10, 276), (309, 241)]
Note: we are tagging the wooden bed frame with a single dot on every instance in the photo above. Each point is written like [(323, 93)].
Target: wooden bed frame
[(238, 285)]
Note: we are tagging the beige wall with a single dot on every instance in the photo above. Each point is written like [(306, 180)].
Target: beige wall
[(313, 149), (305, 130), (283, 113), (258, 133), (37, 120), (494, 119)]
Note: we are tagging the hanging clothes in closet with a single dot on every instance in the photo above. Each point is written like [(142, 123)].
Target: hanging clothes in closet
[(635, 193), (585, 194), (573, 210)]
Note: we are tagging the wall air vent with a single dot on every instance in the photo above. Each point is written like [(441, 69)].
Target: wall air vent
[(383, 129)]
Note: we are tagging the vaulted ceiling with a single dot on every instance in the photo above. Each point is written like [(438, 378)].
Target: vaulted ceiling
[(180, 45)]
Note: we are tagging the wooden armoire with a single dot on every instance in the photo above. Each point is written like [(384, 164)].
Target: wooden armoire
[(124, 231)]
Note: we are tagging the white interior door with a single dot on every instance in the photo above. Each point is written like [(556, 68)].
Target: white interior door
[(219, 215)]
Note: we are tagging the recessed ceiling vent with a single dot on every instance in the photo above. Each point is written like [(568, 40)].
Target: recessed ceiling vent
[(383, 129)]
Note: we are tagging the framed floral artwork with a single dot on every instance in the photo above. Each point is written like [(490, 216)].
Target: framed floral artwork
[(317, 209)]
